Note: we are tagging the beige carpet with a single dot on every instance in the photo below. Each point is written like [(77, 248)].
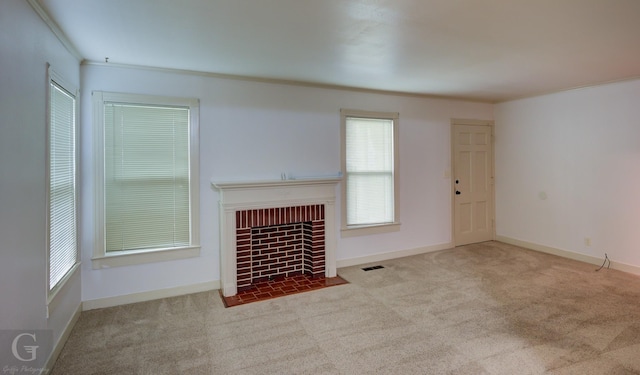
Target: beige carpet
[(488, 308)]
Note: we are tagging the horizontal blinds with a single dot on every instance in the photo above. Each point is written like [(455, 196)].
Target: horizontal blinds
[(62, 184), (146, 177), (369, 171)]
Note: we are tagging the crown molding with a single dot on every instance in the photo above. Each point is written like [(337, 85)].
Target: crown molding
[(573, 88), (62, 37), (279, 81)]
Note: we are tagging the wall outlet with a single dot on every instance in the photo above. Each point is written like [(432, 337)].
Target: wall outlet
[(587, 241)]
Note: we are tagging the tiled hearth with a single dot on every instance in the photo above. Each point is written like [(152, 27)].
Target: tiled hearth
[(277, 237), (279, 287)]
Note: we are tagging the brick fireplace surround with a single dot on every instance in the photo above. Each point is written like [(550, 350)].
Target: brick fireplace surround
[(275, 228), (284, 241)]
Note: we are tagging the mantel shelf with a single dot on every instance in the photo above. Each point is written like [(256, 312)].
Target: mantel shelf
[(273, 183)]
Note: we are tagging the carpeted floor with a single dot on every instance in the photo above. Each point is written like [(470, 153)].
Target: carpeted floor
[(487, 308)]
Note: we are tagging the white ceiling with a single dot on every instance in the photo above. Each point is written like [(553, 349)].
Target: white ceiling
[(489, 50)]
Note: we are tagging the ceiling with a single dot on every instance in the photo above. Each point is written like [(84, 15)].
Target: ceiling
[(487, 50)]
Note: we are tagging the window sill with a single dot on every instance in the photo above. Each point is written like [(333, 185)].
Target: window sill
[(365, 230), (142, 257), (54, 296)]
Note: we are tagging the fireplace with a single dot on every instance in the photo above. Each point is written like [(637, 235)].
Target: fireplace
[(275, 228)]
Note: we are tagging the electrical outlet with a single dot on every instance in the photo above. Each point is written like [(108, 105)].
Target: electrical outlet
[(587, 241)]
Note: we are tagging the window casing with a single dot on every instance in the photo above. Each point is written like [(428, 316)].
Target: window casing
[(369, 162), (146, 177), (62, 239)]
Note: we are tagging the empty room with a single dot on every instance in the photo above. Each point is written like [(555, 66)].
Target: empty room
[(334, 187)]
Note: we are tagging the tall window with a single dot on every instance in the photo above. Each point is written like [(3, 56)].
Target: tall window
[(369, 163), (61, 166), (149, 173)]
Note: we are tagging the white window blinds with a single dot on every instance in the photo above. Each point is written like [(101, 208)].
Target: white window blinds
[(62, 241), (146, 177), (369, 171)]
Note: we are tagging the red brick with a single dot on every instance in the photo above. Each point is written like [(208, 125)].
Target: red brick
[(258, 236), (243, 250), (260, 247), (242, 215)]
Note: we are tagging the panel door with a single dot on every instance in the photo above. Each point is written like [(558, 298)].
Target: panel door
[(473, 184)]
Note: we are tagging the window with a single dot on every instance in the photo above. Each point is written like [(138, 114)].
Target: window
[(147, 177), (369, 162), (62, 243)]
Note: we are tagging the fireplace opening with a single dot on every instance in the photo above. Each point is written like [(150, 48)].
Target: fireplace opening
[(279, 242), (277, 250)]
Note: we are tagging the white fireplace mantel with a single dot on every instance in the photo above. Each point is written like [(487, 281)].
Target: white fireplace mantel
[(238, 196)]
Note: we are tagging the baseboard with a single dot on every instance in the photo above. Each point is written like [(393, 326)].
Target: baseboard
[(391, 255), (57, 348), (569, 254), (150, 295)]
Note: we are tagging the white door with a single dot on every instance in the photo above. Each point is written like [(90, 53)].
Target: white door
[(472, 183)]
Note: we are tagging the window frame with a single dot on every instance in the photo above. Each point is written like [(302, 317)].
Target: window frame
[(367, 229), (103, 259), (55, 79)]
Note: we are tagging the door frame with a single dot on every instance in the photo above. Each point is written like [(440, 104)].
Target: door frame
[(491, 125)]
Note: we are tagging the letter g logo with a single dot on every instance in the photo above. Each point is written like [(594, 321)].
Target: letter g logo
[(29, 349)]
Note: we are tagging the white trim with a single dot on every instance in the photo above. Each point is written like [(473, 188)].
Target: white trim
[(52, 301), (98, 174), (392, 255), (366, 230), (462, 121), (62, 340), (574, 88), (129, 258), (274, 183), (327, 86), (359, 230), (62, 37), (286, 82), (99, 303), (569, 254), (100, 258), (54, 78)]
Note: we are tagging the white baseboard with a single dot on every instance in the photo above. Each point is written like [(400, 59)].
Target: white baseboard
[(391, 255), (570, 254), (57, 348), (150, 295)]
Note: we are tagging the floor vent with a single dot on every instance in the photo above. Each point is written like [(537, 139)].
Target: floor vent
[(372, 268)]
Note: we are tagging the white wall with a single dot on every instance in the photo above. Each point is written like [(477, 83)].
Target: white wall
[(581, 148), (26, 45), (252, 131)]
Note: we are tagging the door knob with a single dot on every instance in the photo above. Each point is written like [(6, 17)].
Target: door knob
[(457, 192)]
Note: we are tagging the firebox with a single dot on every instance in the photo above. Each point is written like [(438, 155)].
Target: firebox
[(273, 242)]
